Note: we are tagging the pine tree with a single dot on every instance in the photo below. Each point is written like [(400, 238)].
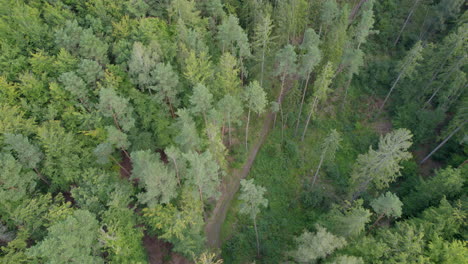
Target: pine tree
[(159, 181), (406, 68), (227, 76), (118, 108), (203, 173), (388, 205), (201, 101), (307, 63), (381, 166), (187, 137), (166, 85), (329, 147), (321, 89), (255, 98), (314, 246), (262, 41), (252, 198), (231, 108)]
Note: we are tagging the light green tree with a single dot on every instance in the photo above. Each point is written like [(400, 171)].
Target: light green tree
[(166, 84), (406, 68), (198, 68), (262, 41), (118, 108), (74, 239), (329, 147), (159, 181), (314, 246), (321, 89), (348, 220), (252, 198), (203, 173), (344, 259), (201, 101), (328, 13), (187, 137), (381, 166), (227, 76), (388, 205), (142, 62), (256, 101), (231, 109), (307, 63)]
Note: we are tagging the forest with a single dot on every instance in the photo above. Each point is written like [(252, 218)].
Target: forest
[(233, 131)]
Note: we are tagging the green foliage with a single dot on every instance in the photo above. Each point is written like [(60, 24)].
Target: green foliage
[(187, 138), (255, 98), (158, 180), (251, 198), (27, 154), (203, 173), (201, 100), (118, 108), (73, 239), (387, 204), (312, 247), (347, 221)]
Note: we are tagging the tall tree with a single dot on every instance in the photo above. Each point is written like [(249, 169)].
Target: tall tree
[(256, 101), (187, 137), (252, 198), (321, 89), (381, 166), (406, 68), (329, 11), (118, 108), (388, 205), (314, 246), (329, 147), (203, 173), (262, 41), (227, 76), (74, 239), (406, 21), (307, 63), (159, 181), (166, 85), (231, 108), (201, 101)]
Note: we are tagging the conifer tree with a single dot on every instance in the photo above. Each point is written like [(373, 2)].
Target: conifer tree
[(381, 166), (203, 173), (329, 147), (252, 198), (321, 89), (314, 246), (262, 41), (187, 137), (231, 108), (255, 98), (388, 205), (118, 108), (159, 181), (201, 101)]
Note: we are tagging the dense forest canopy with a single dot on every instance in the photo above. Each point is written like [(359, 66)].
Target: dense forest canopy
[(233, 131)]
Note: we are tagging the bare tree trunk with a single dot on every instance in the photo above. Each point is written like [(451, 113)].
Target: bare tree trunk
[(443, 142), (41, 176), (176, 171), (308, 118), (318, 169), (247, 132), (346, 91), (406, 22), (118, 163), (375, 223), (229, 127), (256, 235), (282, 123), (302, 103), (263, 64)]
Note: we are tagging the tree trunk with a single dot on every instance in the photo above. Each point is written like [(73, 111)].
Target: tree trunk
[(256, 235), (247, 132), (391, 90), (308, 118), (263, 65), (229, 127), (355, 11), (376, 222), (346, 91), (406, 22), (176, 171), (118, 163), (41, 176), (302, 103), (318, 169), (282, 123), (204, 119), (443, 142)]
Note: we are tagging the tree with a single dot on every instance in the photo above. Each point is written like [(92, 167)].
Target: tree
[(159, 181), (27, 154), (344, 259), (74, 239), (348, 220), (203, 173), (90, 71), (406, 22), (181, 226), (329, 147), (198, 68), (76, 86), (321, 89), (143, 63), (252, 198), (364, 27), (227, 76), (167, 84), (262, 40), (329, 12), (308, 62), (388, 205), (233, 38), (208, 258), (118, 108), (177, 160), (352, 60), (381, 166), (406, 68), (314, 246), (231, 109), (187, 137), (255, 98), (201, 101)]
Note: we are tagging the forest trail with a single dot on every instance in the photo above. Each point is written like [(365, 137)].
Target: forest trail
[(230, 185)]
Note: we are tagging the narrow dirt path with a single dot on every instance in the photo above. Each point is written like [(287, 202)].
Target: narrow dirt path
[(230, 186)]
